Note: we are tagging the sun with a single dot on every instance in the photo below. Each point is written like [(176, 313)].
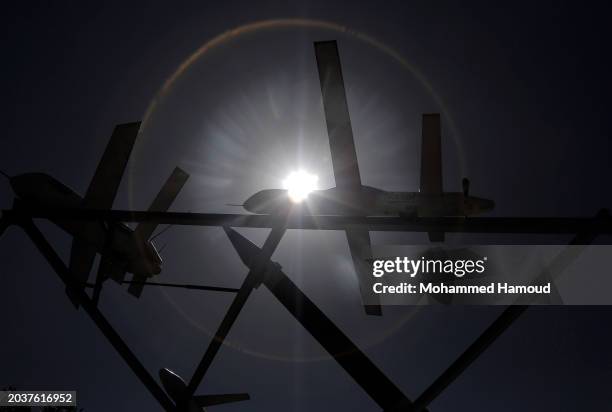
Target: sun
[(299, 185)]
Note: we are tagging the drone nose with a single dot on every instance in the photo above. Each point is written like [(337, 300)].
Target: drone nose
[(249, 204)]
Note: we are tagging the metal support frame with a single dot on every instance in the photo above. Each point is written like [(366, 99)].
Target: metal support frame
[(252, 280), (96, 316), (263, 271), (371, 379)]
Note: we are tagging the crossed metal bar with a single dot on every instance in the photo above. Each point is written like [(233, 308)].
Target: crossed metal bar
[(96, 316), (251, 281), (263, 271), (495, 330)]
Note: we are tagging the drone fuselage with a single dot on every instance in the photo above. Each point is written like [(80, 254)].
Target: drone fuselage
[(369, 201), (116, 241)]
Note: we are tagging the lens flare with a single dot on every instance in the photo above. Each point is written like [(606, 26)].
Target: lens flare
[(299, 185)]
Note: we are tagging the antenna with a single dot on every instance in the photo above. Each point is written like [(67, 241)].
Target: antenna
[(5, 175)]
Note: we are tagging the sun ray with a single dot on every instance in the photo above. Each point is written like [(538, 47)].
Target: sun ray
[(299, 185)]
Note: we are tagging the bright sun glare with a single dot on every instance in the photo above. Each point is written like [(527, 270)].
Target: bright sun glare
[(299, 185)]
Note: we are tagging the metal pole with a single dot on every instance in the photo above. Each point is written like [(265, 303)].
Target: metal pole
[(182, 286), (552, 225)]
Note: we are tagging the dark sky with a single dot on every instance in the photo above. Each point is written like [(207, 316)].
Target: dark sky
[(525, 91)]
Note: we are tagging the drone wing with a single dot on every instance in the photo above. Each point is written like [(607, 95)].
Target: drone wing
[(161, 203), (82, 257), (340, 134), (101, 195), (343, 154), (361, 254), (103, 187)]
